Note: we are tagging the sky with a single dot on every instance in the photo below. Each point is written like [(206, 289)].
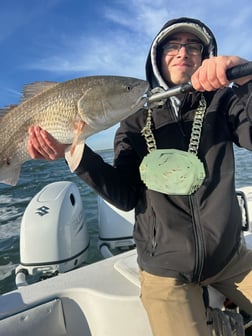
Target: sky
[(57, 40)]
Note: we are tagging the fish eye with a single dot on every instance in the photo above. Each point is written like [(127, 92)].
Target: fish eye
[(128, 88)]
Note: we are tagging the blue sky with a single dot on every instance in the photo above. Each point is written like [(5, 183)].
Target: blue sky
[(61, 39)]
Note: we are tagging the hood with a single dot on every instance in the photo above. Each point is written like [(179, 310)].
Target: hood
[(183, 24)]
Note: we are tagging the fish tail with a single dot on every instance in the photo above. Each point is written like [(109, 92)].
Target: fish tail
[(9, 175)]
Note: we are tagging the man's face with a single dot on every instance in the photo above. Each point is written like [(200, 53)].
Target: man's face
[(178, 69)]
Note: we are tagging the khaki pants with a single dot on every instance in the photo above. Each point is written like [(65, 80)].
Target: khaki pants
[(177, 309)]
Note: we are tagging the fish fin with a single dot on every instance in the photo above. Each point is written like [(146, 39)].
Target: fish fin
[(10, 175), (6, 109), (31, 90), (73, 159), (79, 130), (94, 119)]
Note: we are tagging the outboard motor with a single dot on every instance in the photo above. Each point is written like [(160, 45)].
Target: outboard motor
[(115, 228), (53, 236)]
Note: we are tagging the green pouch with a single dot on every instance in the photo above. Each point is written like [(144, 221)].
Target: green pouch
[(172, 171)]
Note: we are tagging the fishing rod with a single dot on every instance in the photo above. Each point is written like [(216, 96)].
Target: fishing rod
[(238, 71)]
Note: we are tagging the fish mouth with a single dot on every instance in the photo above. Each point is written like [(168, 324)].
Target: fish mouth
[(141, 101)]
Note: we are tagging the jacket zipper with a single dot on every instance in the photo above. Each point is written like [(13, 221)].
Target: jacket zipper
[(199, 240), (177, 118), (197, 229), (198, 233)]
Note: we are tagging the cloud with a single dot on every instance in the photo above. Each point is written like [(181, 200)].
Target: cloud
[(61, 39), (114, 49), (92, 56), (141, 17), (120, 43)]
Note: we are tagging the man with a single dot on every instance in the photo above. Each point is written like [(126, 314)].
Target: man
[(190, 238)]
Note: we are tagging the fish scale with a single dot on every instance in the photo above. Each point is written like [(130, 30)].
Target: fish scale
[(97, 101)]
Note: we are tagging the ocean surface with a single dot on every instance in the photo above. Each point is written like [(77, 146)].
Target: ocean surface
[(34, 176)]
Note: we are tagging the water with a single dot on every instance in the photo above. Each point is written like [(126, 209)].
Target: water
[(34, 176)]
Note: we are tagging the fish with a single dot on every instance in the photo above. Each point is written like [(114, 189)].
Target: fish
[(70, 111)]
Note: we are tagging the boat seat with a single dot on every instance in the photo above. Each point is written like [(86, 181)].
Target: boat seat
[(44, 319), (128, 267)]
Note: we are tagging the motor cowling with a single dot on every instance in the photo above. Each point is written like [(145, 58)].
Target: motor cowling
[(115, 228), (53, 235)]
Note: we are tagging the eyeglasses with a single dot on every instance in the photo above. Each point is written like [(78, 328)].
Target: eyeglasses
[(172, 49)]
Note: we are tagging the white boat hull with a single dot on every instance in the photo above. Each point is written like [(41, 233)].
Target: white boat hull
[(100, 299)]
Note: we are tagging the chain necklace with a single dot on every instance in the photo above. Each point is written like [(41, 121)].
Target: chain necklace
[(195, 133)]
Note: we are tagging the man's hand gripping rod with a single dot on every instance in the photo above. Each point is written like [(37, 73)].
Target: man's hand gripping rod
[(238, 71)]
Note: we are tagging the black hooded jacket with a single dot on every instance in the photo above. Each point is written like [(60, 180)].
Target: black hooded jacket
[(187, 237)]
